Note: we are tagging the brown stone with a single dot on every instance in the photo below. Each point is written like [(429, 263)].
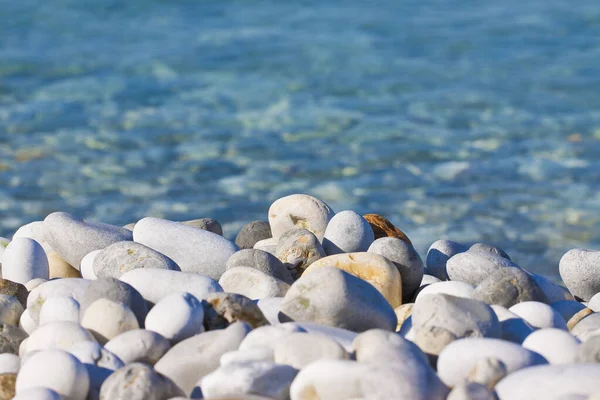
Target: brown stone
[(223, 309), (7, 386), (578, 317), (384, 228), (14, 289), (59, 268)]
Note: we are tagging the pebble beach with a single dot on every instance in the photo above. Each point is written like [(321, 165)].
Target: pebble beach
[(306, 304)]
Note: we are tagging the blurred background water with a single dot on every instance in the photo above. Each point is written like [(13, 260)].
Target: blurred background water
[(461, 119)]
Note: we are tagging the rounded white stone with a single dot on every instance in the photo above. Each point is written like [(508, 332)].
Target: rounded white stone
[(347, 232), (37, 393), (343, 336), (156, 284), (23, 260), (87, 265), (300, 349), (539, 315), (10, 310), (458, 358), (9, 363), (268, 336), (32, 284), (552, 291), (594, 303), (57, 335), (269, 245), (106, 319), (556, 345), (252, 283), (549, 382), (72, 287), (56, 370), (138, 345), (248, 355), (99, 362), (27, 323), (454, 288), (176, 317), (34, 230), (299, 211), (59, 308), (270, 308)]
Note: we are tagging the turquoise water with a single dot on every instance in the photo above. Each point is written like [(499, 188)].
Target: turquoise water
[(460, 119)]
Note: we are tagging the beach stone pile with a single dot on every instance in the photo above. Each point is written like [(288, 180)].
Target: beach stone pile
[(308, 304)]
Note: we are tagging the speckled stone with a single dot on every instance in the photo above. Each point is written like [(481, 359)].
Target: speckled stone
[(262, 261), (117, 291), (580, 271), (7, 386), (252, 283), (223, 309), (59, 268), (333, 297), (11, 338), (73, 238), (440, 319), (474, 268), (347, 232), (17, 290), (486, 248), (406, 259), (207, 224), (382, 227), (252, 233), (373, 268), (137, 381), (122, 257), (507, 287), (438, 255), (297, 249), (299, 211), (193, 250)]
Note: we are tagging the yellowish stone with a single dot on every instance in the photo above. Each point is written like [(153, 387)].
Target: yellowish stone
[(59, 268), (402, 313)]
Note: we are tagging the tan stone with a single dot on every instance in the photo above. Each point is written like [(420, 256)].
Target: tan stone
[(59, 268), (578, 317), (384, 228), (373, 268), (402, 313), (7, 386)]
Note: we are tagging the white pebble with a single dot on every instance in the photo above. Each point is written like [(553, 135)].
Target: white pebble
[(87, 265), (106, 319), (23, 260), (27, 323), (138, 345), (37, 393), (176, 317), (557, 346), (539, 315), (9, 363), (32, 284), (57, 335), (60, 308)]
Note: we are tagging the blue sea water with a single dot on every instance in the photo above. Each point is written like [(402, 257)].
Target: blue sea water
[(461, 119)]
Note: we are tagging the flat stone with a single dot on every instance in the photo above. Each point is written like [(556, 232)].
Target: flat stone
[(587, 327), (71, 287), (59, 268), (122, 257), (382, 227), (333, 297), (297, 249), (373, 268), (552, 291), (486, 248), (59, 308), (252, 283), (262, 378), (116, 291), (137, 381), (24, 259), (347, 232), (299, 211), (7, 385), (474, 267), (453, 288), (10, 310), (252, 233), (156, 284), (567, 308), (471, 391), (72, 382), (106, 319), (405, 258), (487, 371), (507, 287), (550, 382), (300, 349), (57, 336), (11, 338), (73, 238), (438, 255), (580, 271), (193, 250), (539, 315), (589, 351), (190, 360), (262, 261), (555, 345), (207, 224), (223, 309), (99, 362), (138, 345), (176, 317), (441, 319), (457, 360)]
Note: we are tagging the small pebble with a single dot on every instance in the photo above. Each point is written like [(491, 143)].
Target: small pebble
[(87, 265), (539, 315), (106, 319), (252, 283), (59, 268), (252, 233), (580, 271), (122, 257), (138, 345), (507, 287), (24, 259), (382, 227), (453, 288), (347, 232), (474, 267), (555, 345), (223, 309), (72, 287), (59, 308), (438, 255), (176, 317), (137, 381), (299, 211), (297, 249), (262, 261), (207, 224)]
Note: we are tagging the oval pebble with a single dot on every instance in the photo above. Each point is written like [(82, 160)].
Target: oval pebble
[(24, 259), (138, 345), (299, 211), (137, 381), (438, 255), (58, 335), (458, 289), (87, 265), (539, 315), (262, 261), (176, 317), (347, 232), (122, 257), (300, 349), (555, 345), (9, 363), (252, 283), (59, 308), (580, 271), (252, 233), (106, 319)]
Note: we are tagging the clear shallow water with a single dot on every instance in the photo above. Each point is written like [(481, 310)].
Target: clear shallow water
[(453, 118)]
